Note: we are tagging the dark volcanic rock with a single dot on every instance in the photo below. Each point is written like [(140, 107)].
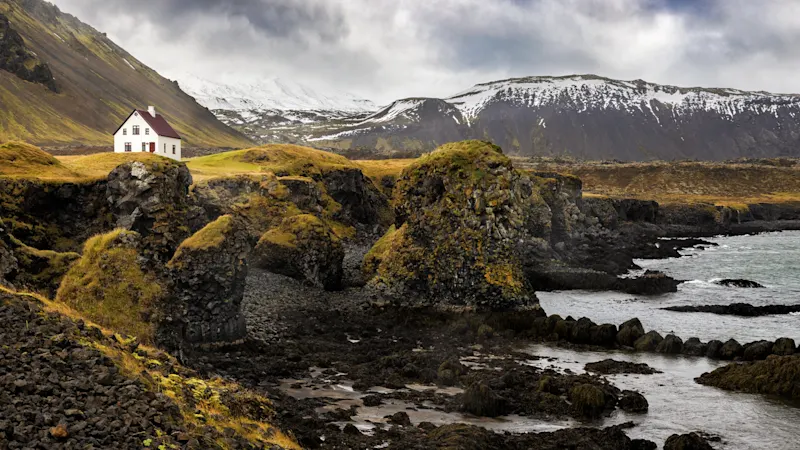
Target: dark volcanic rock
[(649, 342), (305, 248), (714, 349), (604, 335), (651, 283), (152, 199), (209, 271), (611, 367), (784, 346), (671, 345), (739, 309), (630, 401), (731, 350), (588, 400), (757, 350), (694, 347), (362, 202), (400, 418), (739, 283), (691, 441), (630, 332)]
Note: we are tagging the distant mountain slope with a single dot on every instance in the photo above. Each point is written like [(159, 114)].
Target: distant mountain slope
[(97, 84), (272, 110), (589, 117)]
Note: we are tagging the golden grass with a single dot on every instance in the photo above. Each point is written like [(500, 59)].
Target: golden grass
[(379, 168), (20, 160), (99, 165), (212, 235), (281, 159), (107, 286)]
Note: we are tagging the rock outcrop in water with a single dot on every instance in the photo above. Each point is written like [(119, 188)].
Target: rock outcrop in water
[(776, 375), (463, 215), (691, 441), (739, 283), (738, 309)]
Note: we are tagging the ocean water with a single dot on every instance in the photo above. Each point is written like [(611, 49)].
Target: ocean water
[(772, 259)]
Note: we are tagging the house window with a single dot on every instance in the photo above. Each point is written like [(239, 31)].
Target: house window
[(144, 146), (173, 149), (147, 131), (124, 131), (136, 130), (128, 147), (165, 148)]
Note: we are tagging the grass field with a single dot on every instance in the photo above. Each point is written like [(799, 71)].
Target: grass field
[(733, 184)]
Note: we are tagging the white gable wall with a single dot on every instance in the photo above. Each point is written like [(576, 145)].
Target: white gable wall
[(146, 136)]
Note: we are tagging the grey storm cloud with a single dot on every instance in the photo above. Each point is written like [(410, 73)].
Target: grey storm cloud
[(387, 49)]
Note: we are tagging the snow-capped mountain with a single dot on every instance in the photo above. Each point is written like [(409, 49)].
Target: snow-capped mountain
[(271, 109), (589, 117)]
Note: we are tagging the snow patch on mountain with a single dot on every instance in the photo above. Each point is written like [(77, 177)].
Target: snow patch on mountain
[(268, 94), (585, 92)]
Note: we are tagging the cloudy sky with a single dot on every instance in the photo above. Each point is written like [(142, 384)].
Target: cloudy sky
[(388, 49)]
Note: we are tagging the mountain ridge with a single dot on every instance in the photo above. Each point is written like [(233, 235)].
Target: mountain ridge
[(589, 117)]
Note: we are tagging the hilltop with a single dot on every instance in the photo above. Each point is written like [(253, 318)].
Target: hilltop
[(67, 83)]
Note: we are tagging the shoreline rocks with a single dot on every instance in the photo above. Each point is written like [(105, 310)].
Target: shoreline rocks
[(738, 309)]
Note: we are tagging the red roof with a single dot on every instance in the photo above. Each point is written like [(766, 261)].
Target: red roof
[(158, 124)]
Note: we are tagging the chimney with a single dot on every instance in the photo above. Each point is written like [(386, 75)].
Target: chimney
[(152, 110)]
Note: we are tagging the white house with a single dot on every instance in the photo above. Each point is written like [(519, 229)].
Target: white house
[(146, 131)]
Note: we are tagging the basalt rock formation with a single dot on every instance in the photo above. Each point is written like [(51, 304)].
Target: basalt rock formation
[(305, 248), (152, 199), (738, 309), (777, 376), (463, 214), (208, 273)]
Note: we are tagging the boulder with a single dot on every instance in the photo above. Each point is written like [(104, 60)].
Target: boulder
[(581, 333), (604, 335), (563, 329), (302, 247), (714, 349), (464, 215), (362, 203), (152, 199), (208, 273), (480, 400), (449, 372), (784, 346), (757, 350), (693, 347), (399, 418), (630, 332), (731, 350), (651, 283), (634, 402), (671, 344), (691, 441), (587, 400), (649, 342)]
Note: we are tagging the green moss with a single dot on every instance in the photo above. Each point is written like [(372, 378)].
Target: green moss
[(376, 254), (212, 235), (297, 228), (109, 287), (42, 270), (777, 376), (588, 400)]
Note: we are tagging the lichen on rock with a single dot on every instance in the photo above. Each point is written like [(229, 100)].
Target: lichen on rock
[(463, 213), (302, 247)]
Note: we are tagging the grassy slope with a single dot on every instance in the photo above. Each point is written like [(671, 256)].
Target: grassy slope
[(729, 184), (98, 87)]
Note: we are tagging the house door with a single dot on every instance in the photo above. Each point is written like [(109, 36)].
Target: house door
[(152, 147)]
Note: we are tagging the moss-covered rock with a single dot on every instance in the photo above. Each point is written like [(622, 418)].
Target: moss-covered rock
[(208, 272), (112, 285), (479, 399), (784, 347), (41, 270), (465, 213), (302, 247), (691, 441), (630, 332), (731, 350), (671, 344), (151, 198), (649, 342), (588, 400), (776, 375)]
